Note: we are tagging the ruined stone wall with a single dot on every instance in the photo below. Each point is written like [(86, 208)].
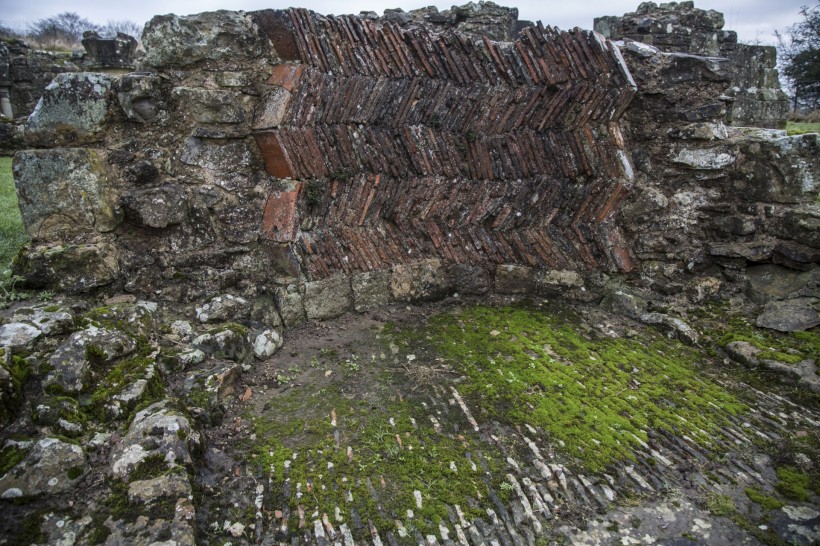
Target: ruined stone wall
[(679, 27), (26, 73), (321, 164), (330, 162)]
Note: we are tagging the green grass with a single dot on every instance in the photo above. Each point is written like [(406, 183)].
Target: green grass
[(798, 128), (596, 398), (12, 233)]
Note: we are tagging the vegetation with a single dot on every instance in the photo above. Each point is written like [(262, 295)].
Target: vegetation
[(12, 233), (597, 399), (801, 128), (800, 54), (63, 32)]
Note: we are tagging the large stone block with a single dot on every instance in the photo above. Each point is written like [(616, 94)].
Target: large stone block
[(65, 194), (371, 289), (211, 106), (72, 268), (72, 111), (421, 281), (156, 207), (328, 298), (210, 37)]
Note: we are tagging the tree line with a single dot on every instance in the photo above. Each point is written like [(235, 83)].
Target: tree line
[(65, 30), (799, 52)]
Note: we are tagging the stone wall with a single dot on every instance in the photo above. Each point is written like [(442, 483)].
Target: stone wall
[(26, 73), (679, 27), (317, 165)]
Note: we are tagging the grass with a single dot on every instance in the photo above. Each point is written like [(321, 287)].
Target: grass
[(597, 399), (800, 128), (12, 233)]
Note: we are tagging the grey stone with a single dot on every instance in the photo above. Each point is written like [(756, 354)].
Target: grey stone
[(224, 343), (72, 111), (44, 470), (71, 361), (794, 315), (267, 343), (673, 325), (638, 48), (328, 298), (140, 97), (217, 155), (622, 302), (110, 52), (420, 281), (290, 304), (513, 279), (468, 279), (647, 201), (224, 308), (271, 111), (556, 279), (191, 357), (156, 207), (172, 485), (72, 268), (211, 106), (773, 282), (61, 413), (182, 330), (704, 159), (205, 37), (370, 290), (49, 320), (157, 429), (18, 336), (215, 383), (744, 352), (65, 194)]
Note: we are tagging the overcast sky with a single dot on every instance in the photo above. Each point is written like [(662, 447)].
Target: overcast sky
[(754, 20)]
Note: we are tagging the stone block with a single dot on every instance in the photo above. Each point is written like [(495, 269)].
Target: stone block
[(64, 194), (328, 298), (221, 155), (140, 97), (420, 281), (71, 112), (468, 279), (72, 268), (156, 207), (209, 38), (272, 110), (371, 289), (211, 106), (290, 304), (514, 279)]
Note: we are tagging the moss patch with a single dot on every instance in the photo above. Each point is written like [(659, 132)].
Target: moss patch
[(596, 398), (10, 456), (787, 348), (378, 459), (765, 501), (793, 483)]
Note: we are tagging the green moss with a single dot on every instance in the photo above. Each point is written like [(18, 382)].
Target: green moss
[(596, 398), (765, 501), (74, 472), (12, 232), (793, 483), (119, 377), (152, 466), (314, 192), (32, 532), (234, 327), (787, 348), (387, 462), (10, 456), (720, 505)]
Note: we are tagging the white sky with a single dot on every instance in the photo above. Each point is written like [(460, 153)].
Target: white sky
[(754, 20)]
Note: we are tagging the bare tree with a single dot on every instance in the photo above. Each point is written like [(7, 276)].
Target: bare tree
[(64, 29), (112, 27)]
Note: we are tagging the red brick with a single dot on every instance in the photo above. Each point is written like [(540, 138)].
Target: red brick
[(280, 221)]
